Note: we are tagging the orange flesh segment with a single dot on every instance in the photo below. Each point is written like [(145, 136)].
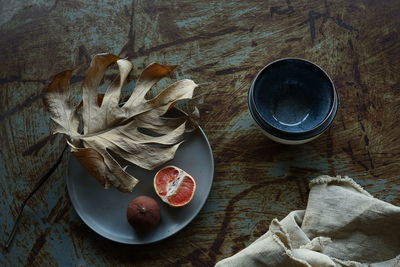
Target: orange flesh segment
[(164, 177), (184, 192)]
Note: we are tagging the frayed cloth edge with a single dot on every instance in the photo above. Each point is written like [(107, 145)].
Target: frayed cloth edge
[(288, 251), (326, 179)]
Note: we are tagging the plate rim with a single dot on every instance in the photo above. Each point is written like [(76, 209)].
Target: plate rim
[(194, 215)]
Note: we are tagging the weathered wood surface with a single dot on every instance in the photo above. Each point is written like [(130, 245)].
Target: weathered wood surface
[(221, 45)]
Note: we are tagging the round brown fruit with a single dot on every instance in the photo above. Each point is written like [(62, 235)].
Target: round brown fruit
[(143, 213)]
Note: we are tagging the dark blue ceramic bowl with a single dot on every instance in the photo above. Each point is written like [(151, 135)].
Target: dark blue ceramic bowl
[(293, 100)]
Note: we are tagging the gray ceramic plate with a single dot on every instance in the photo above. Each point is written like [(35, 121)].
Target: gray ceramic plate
[(104, 211)]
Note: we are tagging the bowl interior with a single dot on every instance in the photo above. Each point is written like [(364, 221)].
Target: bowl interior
[(293, 95)]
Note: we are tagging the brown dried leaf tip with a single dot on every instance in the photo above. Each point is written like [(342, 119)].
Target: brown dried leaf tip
[(107, 126)]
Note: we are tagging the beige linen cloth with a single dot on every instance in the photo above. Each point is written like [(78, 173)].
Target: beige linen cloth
[(343, 225)]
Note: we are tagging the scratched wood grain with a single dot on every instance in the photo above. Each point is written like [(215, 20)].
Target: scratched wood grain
[(221, 45)]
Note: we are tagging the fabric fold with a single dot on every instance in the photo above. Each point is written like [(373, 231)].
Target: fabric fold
[(343, 225)]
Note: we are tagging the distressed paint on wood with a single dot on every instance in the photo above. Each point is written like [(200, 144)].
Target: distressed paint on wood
[(221, 45)]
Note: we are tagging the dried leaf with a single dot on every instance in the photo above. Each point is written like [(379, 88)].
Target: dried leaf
[(94, 164), (124, 130), (57, 101)]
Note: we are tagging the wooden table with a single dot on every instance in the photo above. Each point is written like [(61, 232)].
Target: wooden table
[(221, 45)]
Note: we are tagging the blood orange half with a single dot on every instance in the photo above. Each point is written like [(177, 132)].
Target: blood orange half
[(174, 186)]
